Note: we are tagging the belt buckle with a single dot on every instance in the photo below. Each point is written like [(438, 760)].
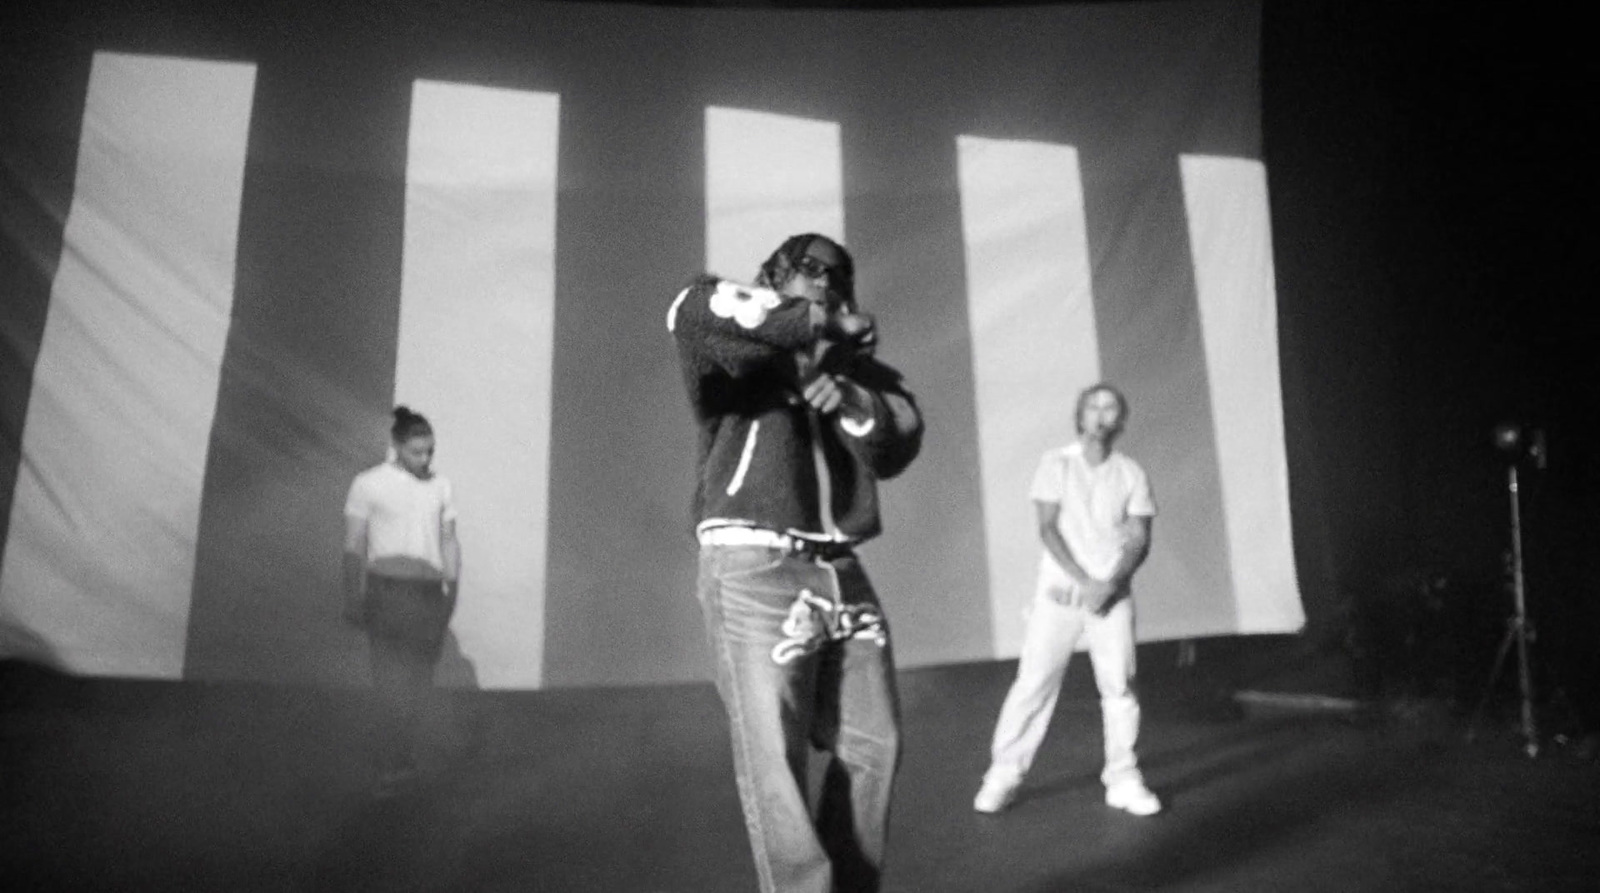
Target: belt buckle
[(818, 551), (794, 545)]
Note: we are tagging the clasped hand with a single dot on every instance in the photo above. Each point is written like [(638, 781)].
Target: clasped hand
[(1097, 596), (827, 393)]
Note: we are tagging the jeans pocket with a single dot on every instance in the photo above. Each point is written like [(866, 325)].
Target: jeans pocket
[(750, 590)]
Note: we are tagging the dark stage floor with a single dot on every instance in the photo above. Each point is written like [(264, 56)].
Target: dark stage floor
[(161, 786)]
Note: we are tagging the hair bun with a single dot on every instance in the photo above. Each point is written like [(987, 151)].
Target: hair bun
[(409, 424)]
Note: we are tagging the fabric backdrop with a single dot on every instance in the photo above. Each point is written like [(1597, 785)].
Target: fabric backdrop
[(231, 240)]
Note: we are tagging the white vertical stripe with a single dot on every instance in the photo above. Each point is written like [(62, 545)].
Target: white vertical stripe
[(745, 456), (476, 337), (99, 561), (1231, 239), (768, 177), (1031, 310)]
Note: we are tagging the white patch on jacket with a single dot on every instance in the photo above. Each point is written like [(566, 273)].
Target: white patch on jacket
[(746, 304)]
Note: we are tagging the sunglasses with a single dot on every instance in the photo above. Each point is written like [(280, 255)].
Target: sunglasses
[(813, 268)]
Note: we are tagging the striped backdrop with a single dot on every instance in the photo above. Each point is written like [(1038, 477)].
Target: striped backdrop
[(231, 244)]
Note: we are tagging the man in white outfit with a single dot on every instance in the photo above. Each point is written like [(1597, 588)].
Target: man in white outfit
[(1095, 510)]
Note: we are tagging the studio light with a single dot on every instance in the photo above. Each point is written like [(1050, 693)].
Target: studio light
[(1517, 443)]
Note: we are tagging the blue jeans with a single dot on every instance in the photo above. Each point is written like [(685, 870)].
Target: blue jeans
[(803, 659)]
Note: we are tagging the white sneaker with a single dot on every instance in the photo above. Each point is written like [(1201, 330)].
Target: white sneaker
[(995, 795), (1133, 797)]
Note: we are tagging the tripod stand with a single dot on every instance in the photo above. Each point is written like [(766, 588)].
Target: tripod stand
[(1519, 631)]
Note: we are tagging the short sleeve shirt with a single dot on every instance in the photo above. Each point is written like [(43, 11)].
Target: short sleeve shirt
[(1096, 502), (405, 515)]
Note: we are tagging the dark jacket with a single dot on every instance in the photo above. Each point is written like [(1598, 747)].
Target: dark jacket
[(743, 349)]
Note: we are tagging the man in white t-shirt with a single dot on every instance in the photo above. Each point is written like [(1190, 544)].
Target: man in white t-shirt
[(401, 564), (1095, 509)]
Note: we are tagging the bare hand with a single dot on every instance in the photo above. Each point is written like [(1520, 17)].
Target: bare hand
[(824, 394), (1098, 595), (830, 393)]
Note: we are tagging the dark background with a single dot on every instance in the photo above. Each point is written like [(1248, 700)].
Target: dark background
[(1425, 175)]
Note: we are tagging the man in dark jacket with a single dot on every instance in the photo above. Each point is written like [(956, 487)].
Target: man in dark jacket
[(798, 422)]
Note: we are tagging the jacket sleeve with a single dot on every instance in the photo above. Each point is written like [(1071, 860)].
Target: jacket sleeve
[(741, 328), (893, 437)]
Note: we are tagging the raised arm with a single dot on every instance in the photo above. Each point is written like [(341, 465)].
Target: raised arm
[(741, 328), (876, 417)]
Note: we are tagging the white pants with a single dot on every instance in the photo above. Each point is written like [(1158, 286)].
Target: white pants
[(1053, 631)]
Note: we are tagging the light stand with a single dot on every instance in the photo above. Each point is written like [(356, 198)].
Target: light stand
[(1518, 628)]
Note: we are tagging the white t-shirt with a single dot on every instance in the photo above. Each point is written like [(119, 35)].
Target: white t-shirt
[(1096, 502), (404, 514)]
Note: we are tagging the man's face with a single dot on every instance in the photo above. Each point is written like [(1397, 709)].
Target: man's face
[(415, 454), (1102, 416), (816, 276)]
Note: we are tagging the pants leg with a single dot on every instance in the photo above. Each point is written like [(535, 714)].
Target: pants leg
[(746, 594), (405, 621), (1052, 633), (858, 722), (1112, 652), (401, 679)]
